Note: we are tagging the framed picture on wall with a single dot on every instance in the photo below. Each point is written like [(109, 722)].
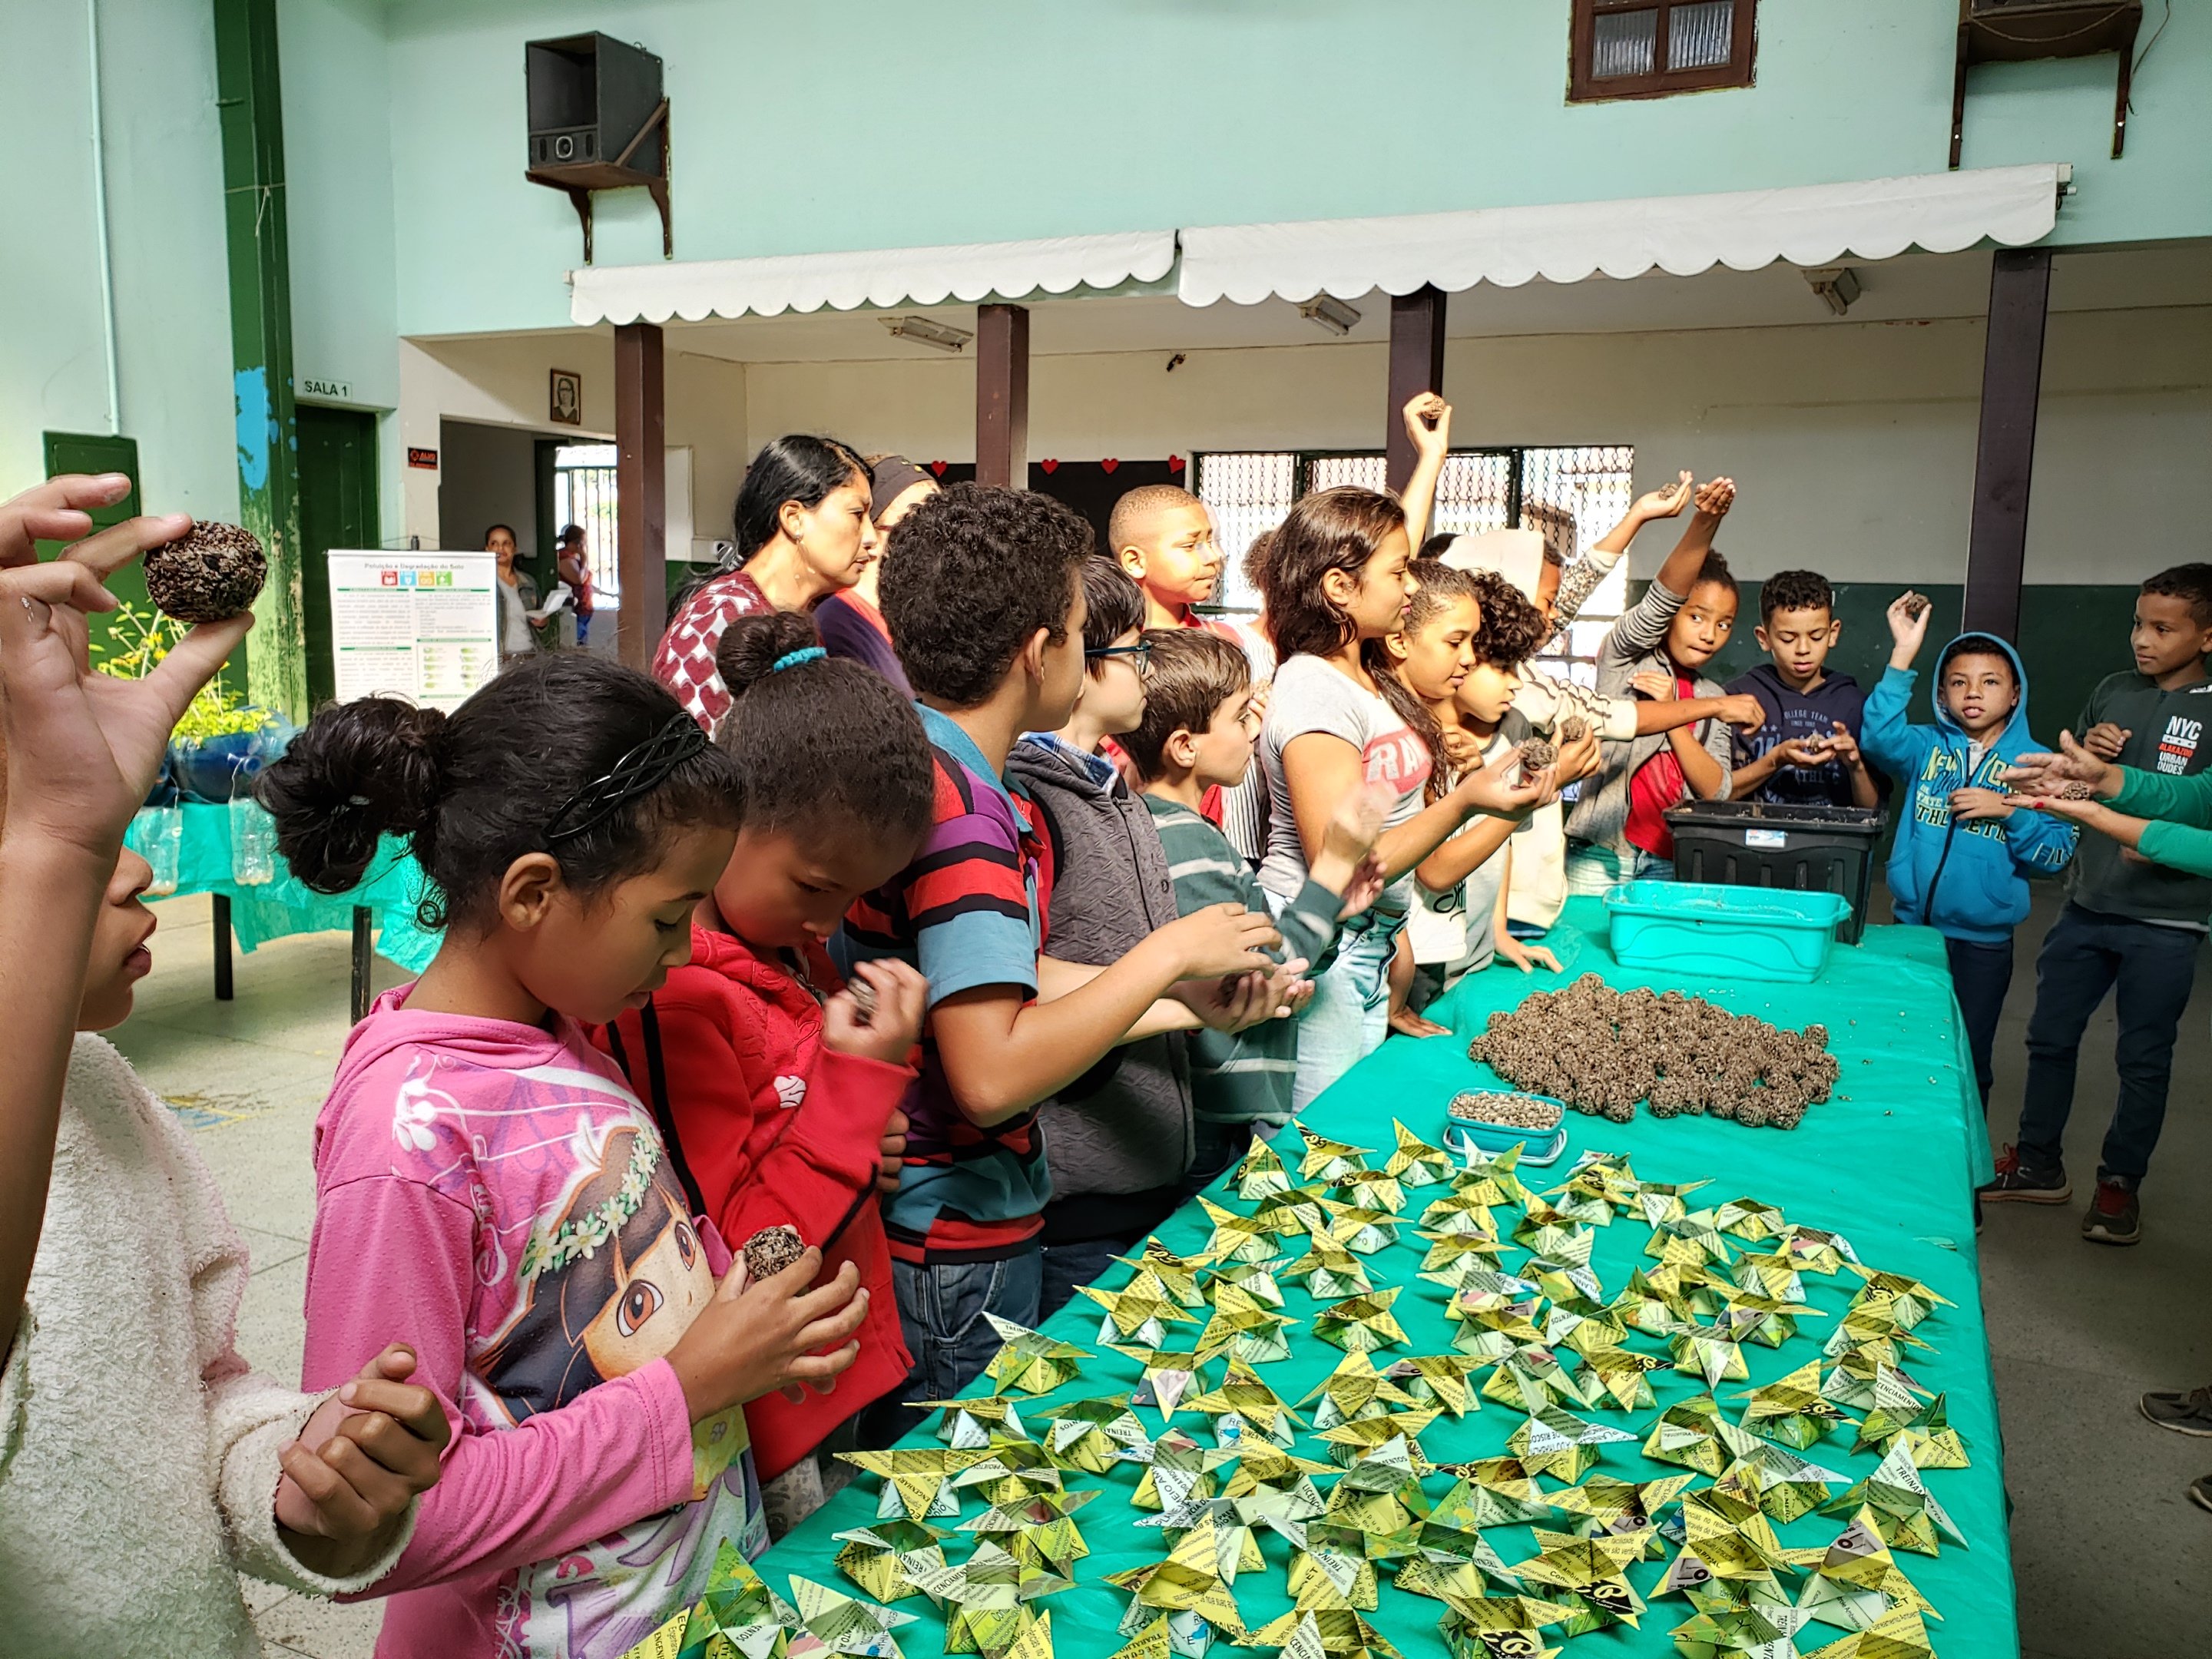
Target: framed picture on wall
[(568, 398)]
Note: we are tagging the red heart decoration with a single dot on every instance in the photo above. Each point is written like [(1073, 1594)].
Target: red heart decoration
[(1174, 463), (1050, 467), (1108, 465), (937, 467)]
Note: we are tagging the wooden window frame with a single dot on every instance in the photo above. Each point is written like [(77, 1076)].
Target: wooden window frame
[(1583, 88)]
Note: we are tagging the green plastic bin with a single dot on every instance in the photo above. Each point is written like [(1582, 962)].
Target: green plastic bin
[(1726, 932)]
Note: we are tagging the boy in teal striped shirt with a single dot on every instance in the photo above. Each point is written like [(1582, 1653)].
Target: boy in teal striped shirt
[(1202, 715)]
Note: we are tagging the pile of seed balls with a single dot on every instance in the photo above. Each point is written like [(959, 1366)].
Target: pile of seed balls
[(1602, 1050)]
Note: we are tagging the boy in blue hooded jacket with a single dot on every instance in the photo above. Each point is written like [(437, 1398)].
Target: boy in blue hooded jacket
[(1963, 851)]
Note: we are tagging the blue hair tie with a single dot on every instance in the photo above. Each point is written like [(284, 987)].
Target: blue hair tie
[(793, 658)]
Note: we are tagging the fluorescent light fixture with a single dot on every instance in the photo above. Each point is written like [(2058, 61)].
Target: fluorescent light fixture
[(1331, 313), (1837, 287), (924, 331)]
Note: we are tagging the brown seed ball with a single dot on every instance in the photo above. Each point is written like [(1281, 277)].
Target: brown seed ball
[(2077, 791), (772, 1249), (1573, 729), (1536, 754), (209, 574)]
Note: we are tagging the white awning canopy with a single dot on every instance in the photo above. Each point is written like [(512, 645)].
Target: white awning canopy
[(881, 276), (1807, 225)]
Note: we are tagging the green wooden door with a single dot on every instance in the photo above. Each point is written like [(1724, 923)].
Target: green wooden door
[(337, 508)]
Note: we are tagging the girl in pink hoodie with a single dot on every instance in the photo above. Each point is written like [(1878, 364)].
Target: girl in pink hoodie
[(488, 1183)]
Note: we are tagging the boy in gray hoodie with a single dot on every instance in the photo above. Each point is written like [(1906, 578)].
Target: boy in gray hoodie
[(1118, 1139)]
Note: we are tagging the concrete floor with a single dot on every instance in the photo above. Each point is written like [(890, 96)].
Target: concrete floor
[(2105, 1545)]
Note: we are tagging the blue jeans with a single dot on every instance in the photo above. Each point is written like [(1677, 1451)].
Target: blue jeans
[(941, 1312), (1067, 1266), (1597, 871), (1350, 1013), (1980, 976), (2085, 955)]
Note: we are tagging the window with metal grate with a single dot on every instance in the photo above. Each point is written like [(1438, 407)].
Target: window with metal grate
[(1654, 48), (1572, 493)]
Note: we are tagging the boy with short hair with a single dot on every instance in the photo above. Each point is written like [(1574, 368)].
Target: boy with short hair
[(2127, 923), (1118, 1139), (1807, 754), (1199, 725), (983, 595), (1963, 849), (1163, 536)]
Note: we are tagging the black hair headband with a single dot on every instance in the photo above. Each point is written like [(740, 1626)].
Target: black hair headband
[(638, 773)]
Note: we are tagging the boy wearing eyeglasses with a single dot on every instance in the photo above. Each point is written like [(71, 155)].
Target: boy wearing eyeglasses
[(1119, 1139)]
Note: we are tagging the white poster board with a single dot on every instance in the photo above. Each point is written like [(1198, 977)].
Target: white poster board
[(419, 625)]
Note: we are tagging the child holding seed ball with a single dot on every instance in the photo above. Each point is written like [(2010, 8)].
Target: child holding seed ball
[(779, 1093)]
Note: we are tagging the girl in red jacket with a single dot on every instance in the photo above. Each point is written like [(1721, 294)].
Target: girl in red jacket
[(777, 1088)]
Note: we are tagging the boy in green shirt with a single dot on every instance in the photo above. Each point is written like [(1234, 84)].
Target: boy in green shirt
[(2128, 923), (1200, 722)]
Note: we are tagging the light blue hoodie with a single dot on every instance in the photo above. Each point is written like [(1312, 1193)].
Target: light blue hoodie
[(1966, 880)]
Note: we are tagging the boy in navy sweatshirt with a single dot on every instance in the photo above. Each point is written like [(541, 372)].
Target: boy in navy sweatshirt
[(1807, 754), (1963, 850)]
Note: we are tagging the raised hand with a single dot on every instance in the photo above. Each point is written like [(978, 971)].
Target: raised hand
[(1428, 423), (1715, 496), (1667, 501), (1908, 615), (83, 748)]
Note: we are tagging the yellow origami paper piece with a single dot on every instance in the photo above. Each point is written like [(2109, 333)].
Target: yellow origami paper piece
[(1326, 1159), (1791, 1410), (1414, 1162), (917, 1481), (1262, 1174), (1138, 1312), (1031, 1361), (1361, 1322)]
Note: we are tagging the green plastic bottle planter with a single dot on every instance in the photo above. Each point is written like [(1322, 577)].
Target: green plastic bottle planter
[(1723, 933)]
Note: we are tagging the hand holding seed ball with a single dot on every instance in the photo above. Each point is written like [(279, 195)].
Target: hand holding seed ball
[(772, 1249), (210, 573)]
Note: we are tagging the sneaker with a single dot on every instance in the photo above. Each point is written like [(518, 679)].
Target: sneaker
[(2184, 1413), (2200, 1492), (2022, 1183), (2115, 1215)]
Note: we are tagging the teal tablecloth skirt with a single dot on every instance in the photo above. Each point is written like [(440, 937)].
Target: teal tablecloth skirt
[(261, 911)]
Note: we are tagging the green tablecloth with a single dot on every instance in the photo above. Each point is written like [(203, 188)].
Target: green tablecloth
[(262, 911), (1889, 1162)]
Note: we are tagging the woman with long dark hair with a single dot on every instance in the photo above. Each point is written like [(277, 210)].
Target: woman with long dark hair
[(1336, 584), (802, 531)]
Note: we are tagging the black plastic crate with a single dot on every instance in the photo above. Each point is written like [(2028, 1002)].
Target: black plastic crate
[(1748, 843)]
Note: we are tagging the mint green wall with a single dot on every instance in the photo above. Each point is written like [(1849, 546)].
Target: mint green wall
[(164, 178), (877, 124)]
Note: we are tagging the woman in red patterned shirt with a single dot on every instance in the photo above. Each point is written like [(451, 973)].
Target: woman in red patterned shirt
[(803, 532)]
